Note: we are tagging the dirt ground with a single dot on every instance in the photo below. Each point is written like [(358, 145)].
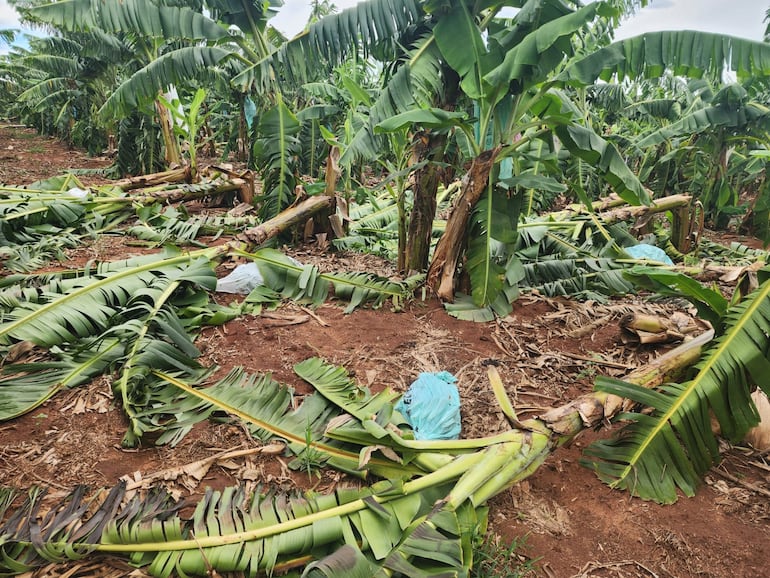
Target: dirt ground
[(547, 351)]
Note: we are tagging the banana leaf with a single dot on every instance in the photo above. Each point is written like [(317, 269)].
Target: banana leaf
[(422, 527), (28, 385), (658, 454)]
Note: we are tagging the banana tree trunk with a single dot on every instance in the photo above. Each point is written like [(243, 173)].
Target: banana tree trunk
[(590, 410), (427, 180), (244, 129), (178, 175), (414, 256), (613, 209), (285, 219), (670, 203), (186, 194), (323, 223), (166, 121), (441, 274)]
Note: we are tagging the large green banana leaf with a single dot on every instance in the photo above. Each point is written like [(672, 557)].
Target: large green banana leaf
[(658, 454), (334, 383), (754, 114), (711, 304), (328, 42), (290, 280), (27, 385), (276, 149), (684, 52), (250, 16), (422, 527), (93, 301), (143, 17), (494, 227), (175, 67), (267, 407), (584, 143), (532, 58)]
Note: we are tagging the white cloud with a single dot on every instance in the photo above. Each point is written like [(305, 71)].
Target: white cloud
[(657, 4), (293, 15), (742, 18), (8, 16)]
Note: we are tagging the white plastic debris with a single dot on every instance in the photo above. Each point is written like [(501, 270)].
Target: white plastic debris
[(244, 278), (78, 193), (241, 280)]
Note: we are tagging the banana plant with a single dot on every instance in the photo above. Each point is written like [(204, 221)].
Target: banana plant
[(168, 49), (141, 314), (37, 221), (511, 75), (67, 79), (276, 154), (187, 124), (666, 451), (420, 521), (708, 148)]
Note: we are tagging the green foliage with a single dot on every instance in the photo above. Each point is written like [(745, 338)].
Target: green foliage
[(488, 260), (425, 519), (285, 278), (276, 155), (188, 123), (685, 53), (667, 451), (492, 558), (710, 303), (139, 146), (25, 386)]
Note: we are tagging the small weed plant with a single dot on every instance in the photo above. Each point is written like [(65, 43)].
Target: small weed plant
[(494, 559)]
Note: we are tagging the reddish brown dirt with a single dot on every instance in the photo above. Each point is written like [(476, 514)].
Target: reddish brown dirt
[(571, 523)]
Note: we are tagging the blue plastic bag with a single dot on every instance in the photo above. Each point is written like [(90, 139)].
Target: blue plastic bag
[(649, 252), (431, 406)]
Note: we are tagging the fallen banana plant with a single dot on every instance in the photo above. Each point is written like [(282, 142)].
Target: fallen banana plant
[(422, 521), (641, 329), (670, 449), (143, 313), (576, 252), (39, 221), (139, 316)]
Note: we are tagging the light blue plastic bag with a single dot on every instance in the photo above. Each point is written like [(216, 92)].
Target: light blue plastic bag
[(431, 406), (650, 252)]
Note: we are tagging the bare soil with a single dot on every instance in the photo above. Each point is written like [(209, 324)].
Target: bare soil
[(547, 353)]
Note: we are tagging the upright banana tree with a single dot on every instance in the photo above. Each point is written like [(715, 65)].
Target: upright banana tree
[(435, 47), (528, 72), (172, 43), (709, 150), (515, 79)]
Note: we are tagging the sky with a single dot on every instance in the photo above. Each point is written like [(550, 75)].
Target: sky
[(742, 18)]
